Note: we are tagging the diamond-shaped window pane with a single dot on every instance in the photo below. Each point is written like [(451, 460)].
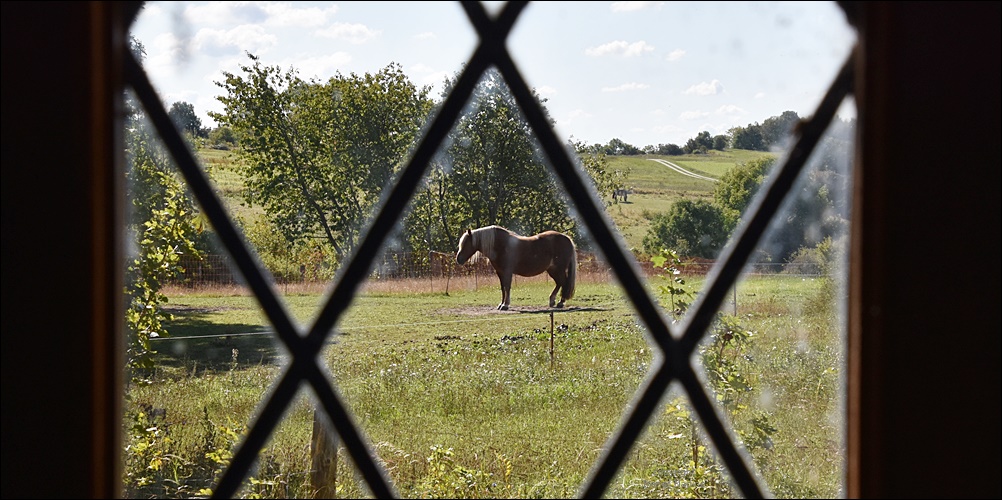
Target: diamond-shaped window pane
[(383, 231), (454, 389)]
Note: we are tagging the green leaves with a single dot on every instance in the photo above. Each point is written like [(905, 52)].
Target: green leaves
[(694, 228), (319, 154), (678, 295), (163, 223)]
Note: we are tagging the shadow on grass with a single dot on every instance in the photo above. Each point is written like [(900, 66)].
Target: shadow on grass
[(195, 340)]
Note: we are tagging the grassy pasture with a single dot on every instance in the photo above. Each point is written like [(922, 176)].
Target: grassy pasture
[(656, 187), (458, 399)]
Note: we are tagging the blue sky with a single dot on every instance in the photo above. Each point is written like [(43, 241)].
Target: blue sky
[(645, 72)]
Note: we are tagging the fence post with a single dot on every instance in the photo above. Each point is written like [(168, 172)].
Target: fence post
[(323, 452), (551, 339)]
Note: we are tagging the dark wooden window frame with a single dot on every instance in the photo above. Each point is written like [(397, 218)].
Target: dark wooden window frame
[(912, 352)]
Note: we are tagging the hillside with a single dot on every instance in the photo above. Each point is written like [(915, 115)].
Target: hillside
[(653, 186), (656, 187)]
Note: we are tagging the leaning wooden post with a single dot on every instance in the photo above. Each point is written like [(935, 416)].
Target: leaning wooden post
[(448, 275), (323, 451), (551, 339)]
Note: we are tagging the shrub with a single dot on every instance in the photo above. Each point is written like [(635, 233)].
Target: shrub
[(693, 228)]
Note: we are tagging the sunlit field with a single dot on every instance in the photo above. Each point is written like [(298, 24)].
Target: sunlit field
[(458, 399)]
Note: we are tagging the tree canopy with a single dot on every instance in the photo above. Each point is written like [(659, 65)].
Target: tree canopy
[(693, 228), (184, 117), (318, 155), (492, 171)]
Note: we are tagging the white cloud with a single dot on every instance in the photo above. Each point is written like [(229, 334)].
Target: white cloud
[(423, 69), (436, 81), (675, 55), (620, 47), (427, 35), (760, 95), (424, 74), (286, 15), (693, 115), (706, 88), (634, 6), (666, 129), (730, 109), (322, 67), (626, 87), (351, 33), (265, 13), (546, 90), (226, 13), (243, 38)]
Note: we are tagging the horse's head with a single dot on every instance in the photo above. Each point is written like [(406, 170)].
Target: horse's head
[(466, 248)]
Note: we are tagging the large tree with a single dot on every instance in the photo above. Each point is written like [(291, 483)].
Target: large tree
[(738, 186), (492, 171), (318, 155), (702, 143), (617, 147), (183, 115), (777, 129), (749, 137)]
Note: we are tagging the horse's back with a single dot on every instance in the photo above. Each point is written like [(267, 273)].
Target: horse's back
[(562, 244), (538, 253)]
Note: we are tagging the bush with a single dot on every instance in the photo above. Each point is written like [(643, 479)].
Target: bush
[(692, 228), (290, 262)]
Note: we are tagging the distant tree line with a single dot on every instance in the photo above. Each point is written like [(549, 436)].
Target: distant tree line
[(317, 156), (770, 134), (817, 210)]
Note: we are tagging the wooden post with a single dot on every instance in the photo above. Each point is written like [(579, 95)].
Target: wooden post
[(448, 274), (323, 451), (551, 339)]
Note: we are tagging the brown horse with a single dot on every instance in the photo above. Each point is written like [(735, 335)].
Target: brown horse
[(510, 254)]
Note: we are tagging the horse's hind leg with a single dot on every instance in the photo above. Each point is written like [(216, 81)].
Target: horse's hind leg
[(553, 295)]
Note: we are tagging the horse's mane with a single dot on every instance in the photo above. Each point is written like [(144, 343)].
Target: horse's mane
[(483, 240)]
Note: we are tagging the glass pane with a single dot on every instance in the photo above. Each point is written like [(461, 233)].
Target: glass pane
[(673, 458), (773, 359), (198, 353), (207, 60), (776, 358), (467, 395), (457, 396)]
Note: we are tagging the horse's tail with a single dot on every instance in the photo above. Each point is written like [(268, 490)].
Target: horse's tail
[(567, 291)]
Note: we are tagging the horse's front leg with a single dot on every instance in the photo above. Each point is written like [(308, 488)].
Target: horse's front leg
[(505, 291)]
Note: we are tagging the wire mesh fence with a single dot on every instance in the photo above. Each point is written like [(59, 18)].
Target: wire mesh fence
[(215, 270)]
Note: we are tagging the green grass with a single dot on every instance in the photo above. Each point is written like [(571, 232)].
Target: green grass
[(458, 399), (656, 187), (223, 168)]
